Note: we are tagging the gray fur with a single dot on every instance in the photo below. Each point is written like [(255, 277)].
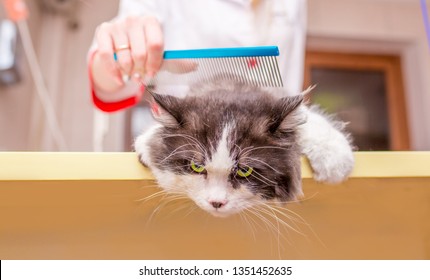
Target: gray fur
[(261, 122)]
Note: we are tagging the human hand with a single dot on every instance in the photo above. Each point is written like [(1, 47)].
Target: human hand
[(137, 43)]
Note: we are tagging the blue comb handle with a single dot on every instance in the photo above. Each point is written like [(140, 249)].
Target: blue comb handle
[(220, 52), (223, 52)]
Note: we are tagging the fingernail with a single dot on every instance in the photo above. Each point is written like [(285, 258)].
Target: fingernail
[(125, 78), (137, 76)]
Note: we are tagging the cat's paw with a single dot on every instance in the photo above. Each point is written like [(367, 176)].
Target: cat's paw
[(333, 164), (327, 147), (142, 145)]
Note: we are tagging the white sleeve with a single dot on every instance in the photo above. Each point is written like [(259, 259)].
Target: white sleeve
[(298, 49), (288, 32), (142, 8)]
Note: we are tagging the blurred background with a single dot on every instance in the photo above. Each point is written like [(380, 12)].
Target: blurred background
[(370, 60)]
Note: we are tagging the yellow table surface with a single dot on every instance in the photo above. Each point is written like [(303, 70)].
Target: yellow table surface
[(92, 206)]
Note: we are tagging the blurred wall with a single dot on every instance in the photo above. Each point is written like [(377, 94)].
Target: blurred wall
[(380, 27), (376, 26), (16, 101), (62, 56)]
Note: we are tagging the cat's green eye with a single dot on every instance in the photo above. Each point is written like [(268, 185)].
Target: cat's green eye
[(244, 171), (197, 167)]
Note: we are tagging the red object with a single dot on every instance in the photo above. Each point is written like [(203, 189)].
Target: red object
[(252, 62), (16, 10), (110, 107)]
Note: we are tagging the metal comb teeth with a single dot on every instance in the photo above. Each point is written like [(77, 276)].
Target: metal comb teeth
[(256, 66)]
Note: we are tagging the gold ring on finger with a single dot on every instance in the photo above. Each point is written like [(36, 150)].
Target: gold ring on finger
[(122, 47)]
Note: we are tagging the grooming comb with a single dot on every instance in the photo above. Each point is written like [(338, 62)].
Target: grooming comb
[(257, 66)]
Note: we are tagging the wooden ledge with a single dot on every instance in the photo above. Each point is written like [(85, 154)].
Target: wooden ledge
[(45, 166), (107, 206)]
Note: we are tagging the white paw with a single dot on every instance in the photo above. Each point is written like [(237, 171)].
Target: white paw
[(332, 165), (328, 149), (142, 146)]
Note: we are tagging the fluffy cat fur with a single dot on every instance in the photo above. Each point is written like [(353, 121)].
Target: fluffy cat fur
[(229, 146)]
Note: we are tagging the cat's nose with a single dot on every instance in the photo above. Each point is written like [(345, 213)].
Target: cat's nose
[(217, 204)]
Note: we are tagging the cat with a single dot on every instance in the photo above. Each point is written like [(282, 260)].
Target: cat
[(229, 146)]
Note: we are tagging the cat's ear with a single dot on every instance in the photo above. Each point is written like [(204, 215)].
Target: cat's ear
[(287, 114), (167, 110)]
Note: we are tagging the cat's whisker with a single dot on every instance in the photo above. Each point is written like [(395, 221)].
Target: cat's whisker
[(149, 186), (263, 178), (238, 147), (162, 193), (262, 222), (283, 222), (188, 137), (154, 212), (152, 196), (192, 209), (249, 214), (294, 217), (245, 149), (189, 155), (252, 213), (263, 211), (176, 150), (269, 225), (175, 198), (146, 187), (298, 200), (299, 219), (174, 195), (282, 227), (264, 147), (293, 220), (163, 202), (260, 161), (259, 179), (280, 210), (278, 235), (244, 216), (181, 135), (276, 230), (185, 204)]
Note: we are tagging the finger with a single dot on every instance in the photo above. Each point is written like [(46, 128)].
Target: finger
[(179, 66), (154, 44), (105, 51), (122, 49), (138, 48)]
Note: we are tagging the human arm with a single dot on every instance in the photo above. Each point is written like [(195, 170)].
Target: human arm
[(136, 37)]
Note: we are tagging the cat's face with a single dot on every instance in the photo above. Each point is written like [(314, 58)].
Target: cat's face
[(226, 150)]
